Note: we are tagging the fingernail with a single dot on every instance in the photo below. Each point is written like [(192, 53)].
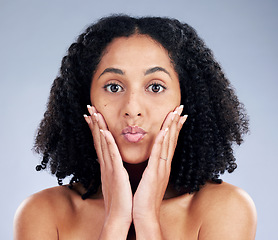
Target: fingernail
[(180, 108), (90, 109), (174, 113), (184, 119), (96, 117), (87, 119)]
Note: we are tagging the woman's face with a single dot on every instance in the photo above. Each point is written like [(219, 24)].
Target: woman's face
[(134, 87)]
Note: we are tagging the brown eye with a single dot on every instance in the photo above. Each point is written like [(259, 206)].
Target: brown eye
[(156, 88), (113, 88)]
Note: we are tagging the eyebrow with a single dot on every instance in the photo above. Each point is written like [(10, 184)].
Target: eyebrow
[(112, 70), (148, 71), (157, 69)]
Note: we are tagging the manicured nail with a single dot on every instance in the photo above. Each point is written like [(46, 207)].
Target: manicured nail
[(96, 117), (88, 120), (90, 109), (180, 108), (183, 119), (174, 114)]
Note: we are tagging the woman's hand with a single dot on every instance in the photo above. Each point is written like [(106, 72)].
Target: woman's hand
[(116, 187), (144, 208), (150, 192)]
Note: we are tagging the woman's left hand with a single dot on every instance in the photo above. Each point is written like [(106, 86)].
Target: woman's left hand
[(151, 189)]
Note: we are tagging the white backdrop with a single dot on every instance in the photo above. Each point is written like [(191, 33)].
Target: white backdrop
[(35, 35)]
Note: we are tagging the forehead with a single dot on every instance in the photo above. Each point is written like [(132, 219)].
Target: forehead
[(135, 50)]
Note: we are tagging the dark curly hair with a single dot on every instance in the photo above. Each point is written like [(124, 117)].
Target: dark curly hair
[(216, 118)]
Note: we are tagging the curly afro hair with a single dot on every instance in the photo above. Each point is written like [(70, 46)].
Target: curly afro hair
[(216, 119)]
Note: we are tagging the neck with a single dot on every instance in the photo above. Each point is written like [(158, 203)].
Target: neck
[(135, 172)]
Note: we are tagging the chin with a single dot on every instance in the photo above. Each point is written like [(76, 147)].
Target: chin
[(135, 158), (134, 153)]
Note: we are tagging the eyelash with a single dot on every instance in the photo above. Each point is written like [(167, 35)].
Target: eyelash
[(106, 87), (157, 84), (110, 85)]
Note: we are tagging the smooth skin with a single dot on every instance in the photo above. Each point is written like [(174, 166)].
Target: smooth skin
[(144, 208), (135, 84)]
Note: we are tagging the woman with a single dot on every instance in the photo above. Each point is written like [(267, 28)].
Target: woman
[(146, 170)]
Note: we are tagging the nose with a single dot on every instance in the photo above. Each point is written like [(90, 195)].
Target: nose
[(128, 114), (133, 106)]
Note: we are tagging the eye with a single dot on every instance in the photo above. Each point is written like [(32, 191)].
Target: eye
[(113, 88), (156, 88)]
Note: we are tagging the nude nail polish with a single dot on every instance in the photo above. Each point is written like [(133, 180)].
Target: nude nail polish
[(90, 109), (184, 119), (87, 119), (174, 114), (96, 116)]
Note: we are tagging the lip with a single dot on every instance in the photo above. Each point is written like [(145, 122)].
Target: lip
[(133, 134)]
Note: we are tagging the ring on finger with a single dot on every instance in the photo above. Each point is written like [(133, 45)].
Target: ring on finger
[(165, 159)]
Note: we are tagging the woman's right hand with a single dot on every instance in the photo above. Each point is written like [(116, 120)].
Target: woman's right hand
[(116, 187)]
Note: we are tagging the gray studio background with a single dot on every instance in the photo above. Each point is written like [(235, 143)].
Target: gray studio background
[(35, 35)]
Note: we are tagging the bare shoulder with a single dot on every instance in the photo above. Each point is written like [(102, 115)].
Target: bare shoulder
[(38, 215), (227, 212), (214, 194)]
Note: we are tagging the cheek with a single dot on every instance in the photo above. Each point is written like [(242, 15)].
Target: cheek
[(165, 107), (104, 106), (100, 103), (109, 113), (159, 116)]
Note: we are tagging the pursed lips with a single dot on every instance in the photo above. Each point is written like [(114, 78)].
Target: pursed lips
[(133, 134)]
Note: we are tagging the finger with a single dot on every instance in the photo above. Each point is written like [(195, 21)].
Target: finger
[(101, 122), (165, 146), (156, 149), (182, 121), (169, 118), (99, 139), (105, 150), (163, 161), (167, 122), (98, 123), (92, 121), (89, 121), (166, 153), (91, 109), (98, 117), (112, 150), (173, 132), (88, 118)]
